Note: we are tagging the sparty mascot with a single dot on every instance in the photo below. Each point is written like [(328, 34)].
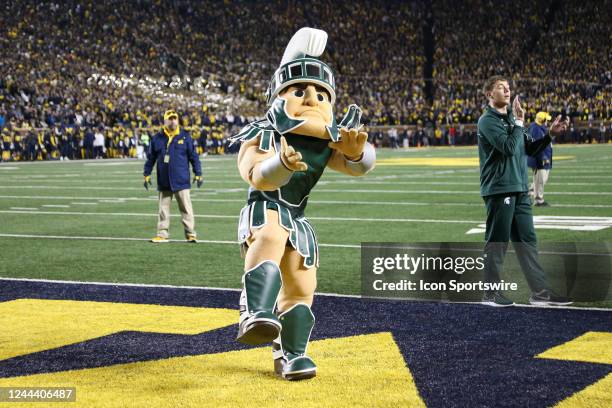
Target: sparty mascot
[(282, 157)]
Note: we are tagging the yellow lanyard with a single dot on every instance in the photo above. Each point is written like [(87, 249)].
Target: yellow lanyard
[(171, 137)]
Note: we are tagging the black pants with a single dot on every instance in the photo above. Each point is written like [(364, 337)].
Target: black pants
[(509, 217)]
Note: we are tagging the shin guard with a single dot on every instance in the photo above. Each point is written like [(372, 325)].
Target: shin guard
[(289, 350), (258, 323)]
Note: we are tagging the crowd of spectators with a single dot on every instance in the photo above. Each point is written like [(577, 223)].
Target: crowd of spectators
[(557, 54), (73, 68)]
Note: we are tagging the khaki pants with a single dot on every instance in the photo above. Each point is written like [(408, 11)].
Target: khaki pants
[(540, 177), (184, 203)]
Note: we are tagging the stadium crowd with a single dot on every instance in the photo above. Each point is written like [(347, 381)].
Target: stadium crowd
[(75, 73)]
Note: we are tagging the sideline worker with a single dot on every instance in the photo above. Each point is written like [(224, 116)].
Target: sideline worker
[(541, 163), (173, 150)]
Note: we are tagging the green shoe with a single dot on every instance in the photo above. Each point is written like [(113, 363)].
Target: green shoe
[(258, 323), (289, 351)]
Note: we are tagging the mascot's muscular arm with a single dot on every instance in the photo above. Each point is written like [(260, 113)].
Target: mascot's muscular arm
[(267, 171), (352, 155)]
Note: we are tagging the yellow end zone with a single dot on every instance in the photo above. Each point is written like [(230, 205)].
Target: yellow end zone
[(591, 347), (32, 325), (440, 161), (358, 371)]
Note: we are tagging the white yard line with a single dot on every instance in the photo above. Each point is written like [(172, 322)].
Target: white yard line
[(235, 217), (150, 285), (95, 238), (321, 190), (343, 181), (239, 200)]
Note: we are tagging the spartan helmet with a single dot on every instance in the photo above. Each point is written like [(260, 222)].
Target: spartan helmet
[(300, 64)]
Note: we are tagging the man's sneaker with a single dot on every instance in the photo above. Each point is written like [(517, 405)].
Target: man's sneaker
[(159, 240), (542, 204), (496, 299), (192, 238), (547, 297)]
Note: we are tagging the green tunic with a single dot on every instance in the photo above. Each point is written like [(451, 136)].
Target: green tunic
[(291, 199), (294, 194)]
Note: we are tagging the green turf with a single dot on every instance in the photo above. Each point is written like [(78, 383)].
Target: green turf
[(393, 203)]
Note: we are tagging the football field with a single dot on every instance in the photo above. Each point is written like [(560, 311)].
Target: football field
[(86, 302), (90, 221)]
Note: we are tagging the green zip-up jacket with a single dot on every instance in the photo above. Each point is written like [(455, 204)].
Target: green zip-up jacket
[(503, 148)]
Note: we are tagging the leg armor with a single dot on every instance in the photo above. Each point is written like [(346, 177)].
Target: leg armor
[(289, 349), (258, 323)]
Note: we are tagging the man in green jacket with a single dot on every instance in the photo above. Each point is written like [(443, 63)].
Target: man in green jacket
[(503, 146)]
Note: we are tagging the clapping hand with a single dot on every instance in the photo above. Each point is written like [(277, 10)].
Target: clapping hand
[(559, 126), (517, 109)]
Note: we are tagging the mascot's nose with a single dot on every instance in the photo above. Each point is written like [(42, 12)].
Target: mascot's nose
[(310, 98)]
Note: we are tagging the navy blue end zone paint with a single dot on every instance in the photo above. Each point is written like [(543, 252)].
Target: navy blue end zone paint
[(459, 355)]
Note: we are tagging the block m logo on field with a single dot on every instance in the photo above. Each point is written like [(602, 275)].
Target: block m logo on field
[(562, 223)]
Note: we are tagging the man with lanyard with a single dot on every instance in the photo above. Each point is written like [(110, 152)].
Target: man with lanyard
[(173, 150), (540, 163), (502, 147)]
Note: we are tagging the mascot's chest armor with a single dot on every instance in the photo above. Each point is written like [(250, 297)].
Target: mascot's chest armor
[(294, 195)]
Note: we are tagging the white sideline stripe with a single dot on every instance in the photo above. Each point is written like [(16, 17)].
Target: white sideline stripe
[(110, 162), (236, 216), (453, 192), (152, 285), (24, 208), (211, 191), (55, 206), (322, 190), (238, 200), (204, 241), (75, 203), (360, 182), (471, 173)]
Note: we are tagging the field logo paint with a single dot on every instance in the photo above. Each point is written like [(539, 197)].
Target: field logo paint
[(34, 325), (440, 161), (561, 223), (591, 347), (185, 377)]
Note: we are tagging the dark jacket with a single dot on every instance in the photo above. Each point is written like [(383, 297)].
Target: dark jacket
[(542, 160), (174, 175), (88, 141), (503, 148)]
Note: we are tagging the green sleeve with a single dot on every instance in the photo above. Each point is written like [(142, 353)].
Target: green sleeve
[(495, 133)]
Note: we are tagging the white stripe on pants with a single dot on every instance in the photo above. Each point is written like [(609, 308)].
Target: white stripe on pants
[(183, 199)]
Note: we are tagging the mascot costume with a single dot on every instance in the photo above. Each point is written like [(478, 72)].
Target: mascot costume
[(282, 157)]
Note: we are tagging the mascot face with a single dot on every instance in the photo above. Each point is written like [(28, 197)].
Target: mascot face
[(310, 103)]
